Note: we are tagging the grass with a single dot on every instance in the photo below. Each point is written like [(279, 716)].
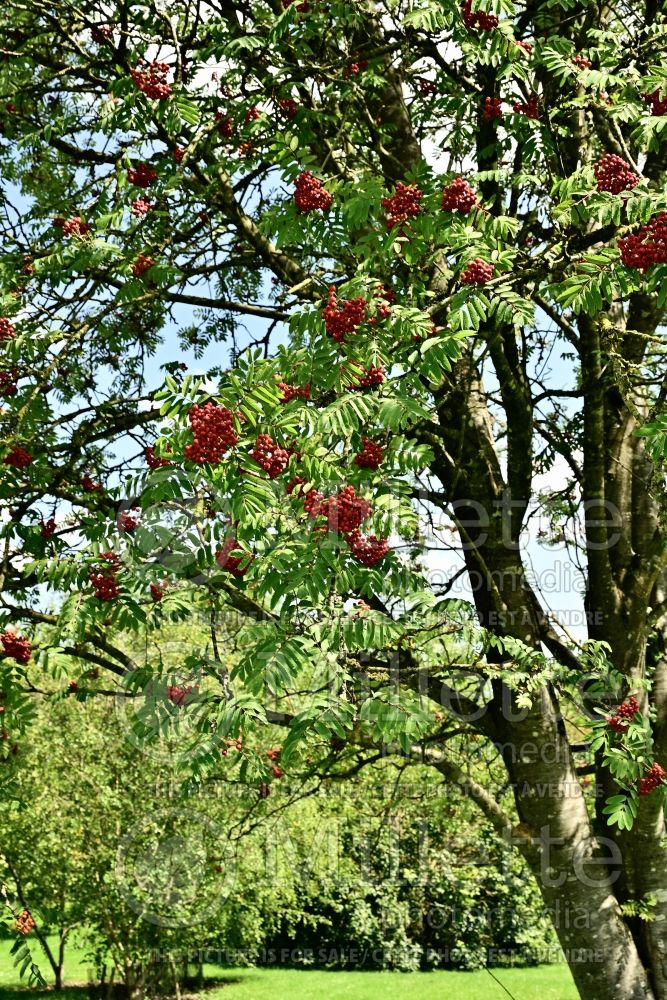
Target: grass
[(547, 982)]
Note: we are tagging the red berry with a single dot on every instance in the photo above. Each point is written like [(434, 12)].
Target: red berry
[(158, 591), (287, 107), (272, 458), (101, 34), (140, 206), (142, 264), (427, 87), (309, 195), (529, 108), (526, 46), (152, 80), (654, 776), (370, 456), (658, 106), (614, 175), (404, 204), (492, 108), (478, 272), (213, 432), (623, 715), (226, 126), (152, 462), (458, 196), (142, 175), (340, 320), (581, 62), (89, 485), (181, 694), (252, 114), (344, 511), (179, 153), (290, 392), (128, 522), (236, 565), (75, 226), (368, 549), (47, 528), (103, 576), (8, 386), (16, 646), (24, 923), (18, 457), (647, 246), (372, 376), (478, 19), (7, 331)]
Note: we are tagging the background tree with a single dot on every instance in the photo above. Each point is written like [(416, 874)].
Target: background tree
[(456, 219)]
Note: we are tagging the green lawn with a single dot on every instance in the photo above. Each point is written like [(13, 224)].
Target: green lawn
[(549, 982)]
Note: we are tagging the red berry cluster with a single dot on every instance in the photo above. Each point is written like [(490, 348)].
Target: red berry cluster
[(478, 19), (526, 46), (101, 34), (344, 512), (309, 195), (236, 565), (355, 68), (47, 528), (73, 227), (623, 715), (7, 331), (427, 87), (458, 196), (492, 108), (370, 456), (529, 108), (158, 591), (252, 114), (89, 485), (581, 62), (478, 272), (340, 320), (368, 549), (213, 432), (270, 455), (140, 206), (152, 461), (647, 246), (152, 80), (287, 107), (143, 175), (128, 522), (303, 7), (24, 923), (613, 174), (179, 153), (142, 264), (655, 776), (180, 694), (295, 484), (226, 126), (18, 647), (8, 386), (658, 106), (18, 457), (404, 204), (290, 392), (103, 576), (373, 376)]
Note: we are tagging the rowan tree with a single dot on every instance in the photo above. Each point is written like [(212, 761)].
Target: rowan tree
[(432, 240)]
